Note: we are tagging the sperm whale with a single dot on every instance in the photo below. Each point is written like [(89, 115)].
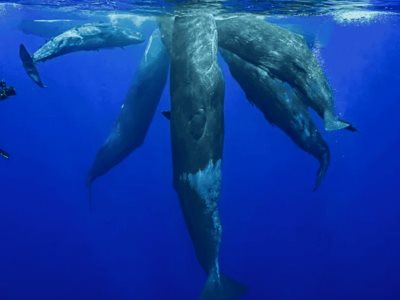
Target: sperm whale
[(197, 131), (284, 55), (133, 122), (87, 37)]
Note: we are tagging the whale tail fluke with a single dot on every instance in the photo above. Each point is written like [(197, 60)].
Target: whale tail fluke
[(323, 168), (29, 66), (332, 122), (222, 288)]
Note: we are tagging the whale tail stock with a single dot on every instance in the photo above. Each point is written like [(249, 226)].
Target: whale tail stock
[(332, 122), (222, 287), (29, 66)]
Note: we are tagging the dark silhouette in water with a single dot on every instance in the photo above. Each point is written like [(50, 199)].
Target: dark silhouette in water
[(5, 92), (4, 154), (30, 66)]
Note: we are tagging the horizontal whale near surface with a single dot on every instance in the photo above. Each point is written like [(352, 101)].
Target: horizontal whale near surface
[(87, 37)]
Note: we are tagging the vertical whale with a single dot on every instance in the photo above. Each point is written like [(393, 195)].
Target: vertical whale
[(282, 107), (133, 122), (284, 55), (197, 132)]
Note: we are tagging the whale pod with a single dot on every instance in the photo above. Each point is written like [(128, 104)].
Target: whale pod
[(137, 112), (197, 131), (86, 37), (282, 107), (285, 55)]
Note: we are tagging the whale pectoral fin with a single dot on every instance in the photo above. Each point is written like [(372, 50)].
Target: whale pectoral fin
[(332, 122), (167, 114), (223, 287), (29, 66)]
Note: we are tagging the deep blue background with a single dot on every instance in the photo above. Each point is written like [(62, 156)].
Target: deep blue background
[(282, 240)]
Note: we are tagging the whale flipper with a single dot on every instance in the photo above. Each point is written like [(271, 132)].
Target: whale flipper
[(224, 288), (332, 122), (29, 66)]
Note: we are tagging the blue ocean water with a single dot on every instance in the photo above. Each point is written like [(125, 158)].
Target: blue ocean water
[(280, 238)]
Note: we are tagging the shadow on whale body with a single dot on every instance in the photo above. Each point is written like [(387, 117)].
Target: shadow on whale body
[(87, 37)]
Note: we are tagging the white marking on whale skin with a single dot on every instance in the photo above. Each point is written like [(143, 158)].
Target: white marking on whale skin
[(148, 48), (52, 21), (207, 184), (115, 135)]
